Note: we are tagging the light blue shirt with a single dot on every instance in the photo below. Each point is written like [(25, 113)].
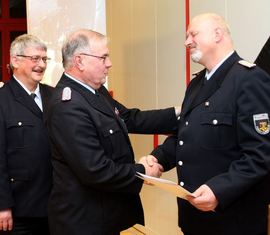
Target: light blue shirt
[(209, 75)]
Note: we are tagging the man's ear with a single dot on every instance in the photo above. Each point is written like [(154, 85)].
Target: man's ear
[(218, 34), (78, 62), (14, 61)]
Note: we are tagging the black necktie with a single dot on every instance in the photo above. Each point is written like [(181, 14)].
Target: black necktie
[(205, 80), (33, 95)]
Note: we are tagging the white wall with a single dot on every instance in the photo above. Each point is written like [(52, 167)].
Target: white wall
[(148, 56), (52, 20)]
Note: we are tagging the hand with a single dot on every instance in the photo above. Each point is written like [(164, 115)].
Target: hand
[(6, 221), (177, 111), (151, 160), (152, 168), (204, 199)]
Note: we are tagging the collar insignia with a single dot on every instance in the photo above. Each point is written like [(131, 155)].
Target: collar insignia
[(196, 73), (116, 111)]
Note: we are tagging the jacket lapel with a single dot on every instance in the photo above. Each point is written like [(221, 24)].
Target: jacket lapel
[(22, 97), (46, 92), (109, 101), (200, 91)]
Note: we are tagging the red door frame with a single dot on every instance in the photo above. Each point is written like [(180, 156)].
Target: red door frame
[(8, 25)]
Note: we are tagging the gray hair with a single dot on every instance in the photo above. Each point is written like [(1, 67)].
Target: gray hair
[(24, 41), (80, 41)]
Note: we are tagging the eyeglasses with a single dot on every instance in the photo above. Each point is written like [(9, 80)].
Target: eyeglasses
[(103, 58), (36, 58)]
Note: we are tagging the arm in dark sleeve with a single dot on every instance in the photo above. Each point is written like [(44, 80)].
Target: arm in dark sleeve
[(159, 121), (6, 198), (166, 153)]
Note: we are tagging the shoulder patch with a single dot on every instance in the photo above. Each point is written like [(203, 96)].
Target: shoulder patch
[(261, 123), (246, 63), (1, 84), (66, 94)]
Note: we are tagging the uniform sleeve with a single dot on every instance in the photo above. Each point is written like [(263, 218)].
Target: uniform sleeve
[(6, 199), (166, 153), (159, 121)]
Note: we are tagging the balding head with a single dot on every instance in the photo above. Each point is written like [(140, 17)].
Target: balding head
[(213, 20), (209, 39)]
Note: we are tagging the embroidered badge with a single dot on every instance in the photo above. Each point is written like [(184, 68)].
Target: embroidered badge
[(261, 123), (66, 94)]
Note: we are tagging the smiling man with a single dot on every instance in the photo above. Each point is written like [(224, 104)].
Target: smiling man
[(25, 169)]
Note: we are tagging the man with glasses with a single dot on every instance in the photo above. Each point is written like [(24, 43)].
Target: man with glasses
[(95, 188), (25, 167)]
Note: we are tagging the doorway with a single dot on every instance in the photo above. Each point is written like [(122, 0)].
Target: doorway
[(12, 24)]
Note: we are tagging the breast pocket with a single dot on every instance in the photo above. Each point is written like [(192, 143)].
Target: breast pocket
[(19, 133), (216, 130), (19, 178), (19, 175), (115, 142)]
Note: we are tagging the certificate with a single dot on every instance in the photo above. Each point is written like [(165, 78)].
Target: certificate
[(166, 185)]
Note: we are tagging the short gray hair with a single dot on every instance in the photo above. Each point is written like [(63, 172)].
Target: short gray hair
[(24, 41), (77, 42)]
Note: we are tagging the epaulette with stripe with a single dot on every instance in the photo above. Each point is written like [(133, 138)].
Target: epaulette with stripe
[(246, 63)]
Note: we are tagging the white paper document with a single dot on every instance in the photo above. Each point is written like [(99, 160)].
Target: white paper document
[(166, 185)]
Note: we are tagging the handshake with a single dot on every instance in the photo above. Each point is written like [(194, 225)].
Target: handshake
[(151, 165)]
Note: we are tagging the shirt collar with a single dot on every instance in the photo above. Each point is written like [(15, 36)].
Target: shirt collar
[(81, 83), (37, 90), (209, 74)]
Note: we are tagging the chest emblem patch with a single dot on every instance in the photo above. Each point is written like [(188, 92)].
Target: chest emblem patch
[(261, 123), (66, 94)]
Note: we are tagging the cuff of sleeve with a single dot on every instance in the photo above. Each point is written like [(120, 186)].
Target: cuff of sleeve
[(139, 168)]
